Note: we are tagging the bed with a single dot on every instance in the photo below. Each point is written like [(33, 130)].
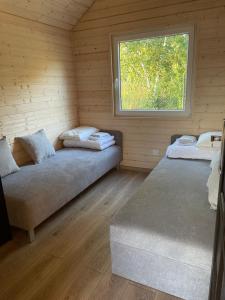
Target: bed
[(217, 286), (175, 150), (163, 237)]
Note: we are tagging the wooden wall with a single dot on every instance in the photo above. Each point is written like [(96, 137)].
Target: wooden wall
[(93, 72), (37, 83), (63, 14)]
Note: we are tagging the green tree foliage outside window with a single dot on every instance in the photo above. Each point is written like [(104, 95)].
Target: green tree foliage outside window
[(153, 73)]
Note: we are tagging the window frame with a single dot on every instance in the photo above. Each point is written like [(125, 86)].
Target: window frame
[(115, 67)]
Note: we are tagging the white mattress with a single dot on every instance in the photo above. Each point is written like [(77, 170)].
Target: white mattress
[(177, 150)]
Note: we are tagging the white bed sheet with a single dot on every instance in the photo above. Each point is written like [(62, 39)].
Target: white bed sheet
[(177, 150)]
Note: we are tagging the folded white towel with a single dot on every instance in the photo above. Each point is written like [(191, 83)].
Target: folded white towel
[(101, 142), (100, 134), (187, 140), (88, 144), (101, 139), (79, 134), (176, 150)]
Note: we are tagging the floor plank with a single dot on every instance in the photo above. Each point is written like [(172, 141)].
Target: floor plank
[(70, 258)]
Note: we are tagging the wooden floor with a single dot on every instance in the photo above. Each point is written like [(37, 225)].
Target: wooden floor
[(70, 258)]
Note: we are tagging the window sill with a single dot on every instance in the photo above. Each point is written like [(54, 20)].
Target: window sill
[(152, 115)]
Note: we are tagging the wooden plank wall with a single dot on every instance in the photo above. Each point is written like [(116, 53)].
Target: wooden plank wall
[(37, 80), (63, 14), (93, 72)]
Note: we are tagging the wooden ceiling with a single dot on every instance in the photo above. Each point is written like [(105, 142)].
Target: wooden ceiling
[(60, 13)]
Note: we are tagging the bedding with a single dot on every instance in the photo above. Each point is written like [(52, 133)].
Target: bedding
[(79, 133), (95, 145), (216, 160), (101, 140), (99, 135), (214, 181), (187, 140), (204, 140), (176, 150)]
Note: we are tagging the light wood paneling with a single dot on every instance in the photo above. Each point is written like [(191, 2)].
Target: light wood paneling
[(63, 14), (37, 80), (70, 258), (93, 71)]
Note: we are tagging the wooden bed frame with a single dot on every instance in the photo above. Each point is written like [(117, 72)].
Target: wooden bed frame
[(217, 288)]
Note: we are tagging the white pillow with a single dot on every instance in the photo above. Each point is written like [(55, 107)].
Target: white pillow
[(204, 140), (213, 181), (81, 133)]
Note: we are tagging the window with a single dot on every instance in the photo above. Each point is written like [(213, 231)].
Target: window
[(152, 73)]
